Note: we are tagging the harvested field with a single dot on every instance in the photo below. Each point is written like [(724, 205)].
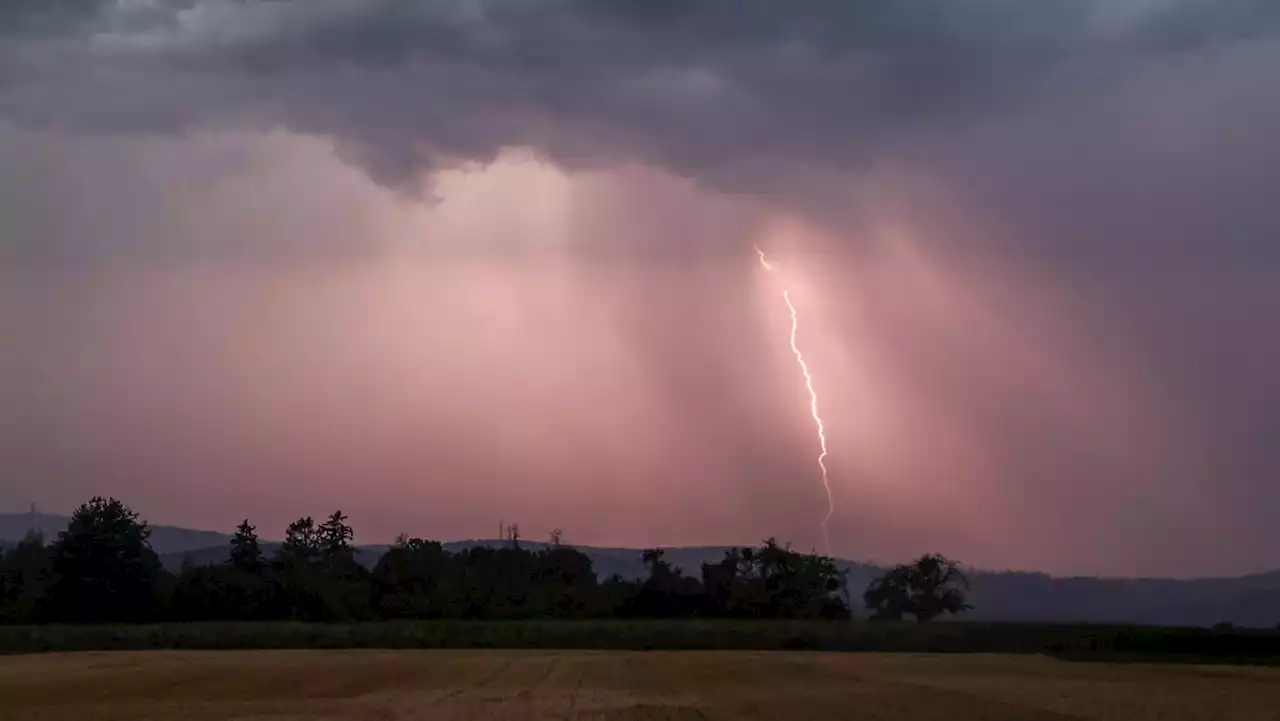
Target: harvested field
[(617, 685)]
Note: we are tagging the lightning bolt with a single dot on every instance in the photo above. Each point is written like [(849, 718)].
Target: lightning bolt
[(813, 405)]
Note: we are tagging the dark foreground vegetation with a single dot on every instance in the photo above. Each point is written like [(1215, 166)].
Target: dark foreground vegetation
[(1065, 641), (102, 570), (99, 585)]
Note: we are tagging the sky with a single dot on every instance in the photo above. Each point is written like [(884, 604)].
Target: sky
[(445, 263)]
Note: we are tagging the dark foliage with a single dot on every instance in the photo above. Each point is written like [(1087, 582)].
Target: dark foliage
[(246, 552), (103, 570), (774, 582), (1065, 641), (926, 589), (24, 579)]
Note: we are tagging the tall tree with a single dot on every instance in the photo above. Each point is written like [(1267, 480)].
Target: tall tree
[(301, 542), (246, 552), (103, 568), (335, 538), (316, 577)]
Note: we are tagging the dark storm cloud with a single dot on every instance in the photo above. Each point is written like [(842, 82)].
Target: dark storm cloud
[(707, 87), (43, 18), (1191, 25)]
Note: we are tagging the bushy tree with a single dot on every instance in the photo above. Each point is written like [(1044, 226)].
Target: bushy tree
[(301, 543), (103, 568), (567, 583), (773, 581), (925, 589), (413, 579), (495, 582)]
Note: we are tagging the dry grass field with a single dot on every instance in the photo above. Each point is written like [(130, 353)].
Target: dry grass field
[(615, 686)]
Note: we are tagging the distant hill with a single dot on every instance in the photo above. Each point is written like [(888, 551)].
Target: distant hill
[(997, 596), (1252, 600), (164, 539)]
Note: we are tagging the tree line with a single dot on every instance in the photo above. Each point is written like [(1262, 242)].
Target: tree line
[(102, 569)]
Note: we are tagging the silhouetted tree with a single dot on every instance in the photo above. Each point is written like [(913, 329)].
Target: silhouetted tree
[(235, 590), (925, 589), (566, 583), (301, 542), (413, 580), (773, 581), (316, 576), (667, 592), (889, 596), (246, 553), (496, 583), (335, 538), (721, 583), (799, 585), (103, 568), (939, 587)]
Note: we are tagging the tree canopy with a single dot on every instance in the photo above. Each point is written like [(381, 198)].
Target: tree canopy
[(925, 589), (102, 569)]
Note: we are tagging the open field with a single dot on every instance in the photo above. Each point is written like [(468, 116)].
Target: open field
[(617, 685)]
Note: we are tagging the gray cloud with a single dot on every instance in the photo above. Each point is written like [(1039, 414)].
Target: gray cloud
[(702, 87), (44, 19), (1110, 115)]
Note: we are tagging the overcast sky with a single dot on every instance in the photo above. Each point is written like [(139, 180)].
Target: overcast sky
[(441, 262)]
